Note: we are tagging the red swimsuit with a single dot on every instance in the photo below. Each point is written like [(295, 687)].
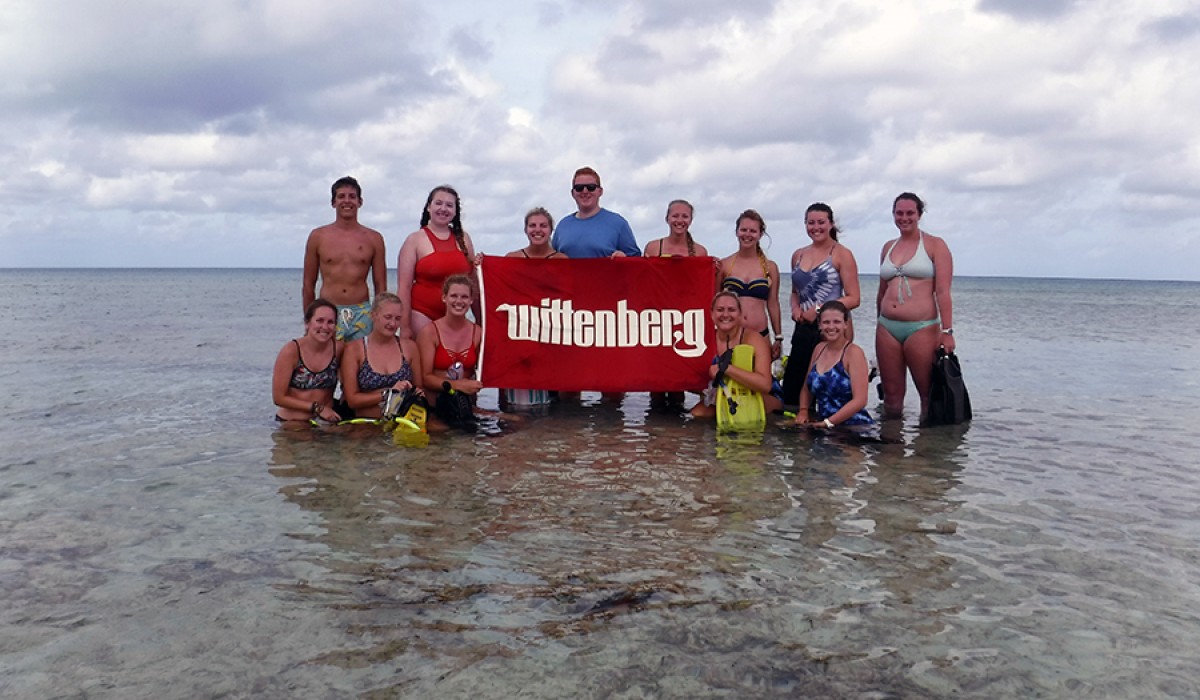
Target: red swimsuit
[(431, 272)]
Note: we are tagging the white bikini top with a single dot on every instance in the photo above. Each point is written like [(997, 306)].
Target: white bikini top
[(919, 266)]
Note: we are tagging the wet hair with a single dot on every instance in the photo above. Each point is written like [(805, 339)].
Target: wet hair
[(692, 210), (725, 293), (385, 298), (762, 227), (316, 304), (344, 182), (586, 170), (539, 211), (458, 279), (833, 305), (911, 197), (456, 226), (828, 210)]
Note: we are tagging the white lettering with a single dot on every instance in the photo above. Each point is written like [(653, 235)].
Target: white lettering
[(557, 322)]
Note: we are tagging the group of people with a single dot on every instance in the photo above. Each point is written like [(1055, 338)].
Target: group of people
[(421, 338)]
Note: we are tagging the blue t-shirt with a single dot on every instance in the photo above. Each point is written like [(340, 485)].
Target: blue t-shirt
[(596, 236)]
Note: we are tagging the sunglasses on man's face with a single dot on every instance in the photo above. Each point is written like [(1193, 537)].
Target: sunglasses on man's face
[(590, 187)]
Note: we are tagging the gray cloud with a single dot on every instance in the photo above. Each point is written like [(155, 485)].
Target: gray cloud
[(1029, 9), (1175, 28)]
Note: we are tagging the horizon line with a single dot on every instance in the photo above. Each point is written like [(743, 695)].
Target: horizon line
[(148, 268)]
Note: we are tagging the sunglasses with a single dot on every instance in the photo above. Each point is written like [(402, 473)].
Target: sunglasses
[(589, 187)]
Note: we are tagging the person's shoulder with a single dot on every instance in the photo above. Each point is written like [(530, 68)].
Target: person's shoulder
[(415, 236), (319, 232), (612, 215), (514, 254), (935, 240), (429, 332), (567, 223)]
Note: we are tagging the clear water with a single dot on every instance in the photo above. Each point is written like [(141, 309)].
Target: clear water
[(161, 538)]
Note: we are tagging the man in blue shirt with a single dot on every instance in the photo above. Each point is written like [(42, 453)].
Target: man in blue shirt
[(593, 232)]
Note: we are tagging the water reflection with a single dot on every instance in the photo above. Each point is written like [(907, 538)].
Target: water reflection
[(493, 546)]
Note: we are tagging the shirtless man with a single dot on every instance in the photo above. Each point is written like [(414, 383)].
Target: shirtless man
[(344, 253)]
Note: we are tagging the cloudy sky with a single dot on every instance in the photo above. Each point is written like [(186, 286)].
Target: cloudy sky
[(1048, 137)]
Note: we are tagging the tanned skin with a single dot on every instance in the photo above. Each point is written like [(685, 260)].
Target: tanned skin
[(344, 254)]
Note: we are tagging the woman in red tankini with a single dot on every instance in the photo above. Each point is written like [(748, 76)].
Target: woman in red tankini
[(439, 249), (449, 350)]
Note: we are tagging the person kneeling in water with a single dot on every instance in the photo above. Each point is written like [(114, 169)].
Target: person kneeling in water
[(727, 318), (448, 374)]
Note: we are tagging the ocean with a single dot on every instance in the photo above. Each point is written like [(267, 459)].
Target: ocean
[(161, 538)]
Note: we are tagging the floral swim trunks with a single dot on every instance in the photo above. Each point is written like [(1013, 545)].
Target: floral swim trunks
[(353, 321)]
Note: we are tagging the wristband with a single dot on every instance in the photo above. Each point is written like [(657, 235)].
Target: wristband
[(316, 408), (948, 331), (829, 424)]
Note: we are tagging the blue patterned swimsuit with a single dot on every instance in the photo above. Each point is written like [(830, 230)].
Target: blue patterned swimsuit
[(370, 380), (832, 390), (816, 286)]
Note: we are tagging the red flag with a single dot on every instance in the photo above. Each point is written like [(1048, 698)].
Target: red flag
[(599, 324)]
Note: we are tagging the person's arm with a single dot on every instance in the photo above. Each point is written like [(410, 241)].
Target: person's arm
[(856, 366), (282, 375), (413, 351), (847, 268), (426, 345), (626, 243), (352, 359), (943, 266), (773, 311), (882, 284), (806, 399), (312, 266), (406, 266), (718, 273), (759, 378), (794, 297), (379, 265), (476, 261)]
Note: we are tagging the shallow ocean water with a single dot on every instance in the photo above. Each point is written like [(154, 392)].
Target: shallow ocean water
[(161, 538)]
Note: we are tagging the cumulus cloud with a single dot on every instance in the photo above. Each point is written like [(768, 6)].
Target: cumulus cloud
[(208, 134)]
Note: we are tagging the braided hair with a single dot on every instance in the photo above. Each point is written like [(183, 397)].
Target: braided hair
[(456, 226)]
